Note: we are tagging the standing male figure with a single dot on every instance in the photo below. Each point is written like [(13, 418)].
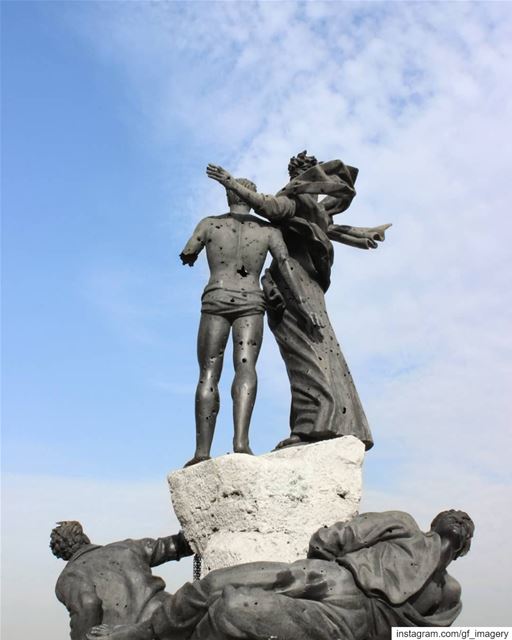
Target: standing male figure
[(237, 245)]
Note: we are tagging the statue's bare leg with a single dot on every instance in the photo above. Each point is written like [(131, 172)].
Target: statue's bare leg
[(211, 343), (247, 337)]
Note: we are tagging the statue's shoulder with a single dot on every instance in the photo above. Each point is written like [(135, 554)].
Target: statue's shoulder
[(211, 222), (258, 222), (451, 590), (386, 516), (207, 220)]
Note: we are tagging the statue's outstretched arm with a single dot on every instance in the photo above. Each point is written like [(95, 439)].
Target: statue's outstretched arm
[(359, 237), (273, 208), (194, 245), (160, 550)]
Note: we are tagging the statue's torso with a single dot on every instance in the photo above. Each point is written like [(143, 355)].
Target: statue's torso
[(236, 249), (120, 576)]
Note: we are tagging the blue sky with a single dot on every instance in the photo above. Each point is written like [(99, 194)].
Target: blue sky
[(111, 112)]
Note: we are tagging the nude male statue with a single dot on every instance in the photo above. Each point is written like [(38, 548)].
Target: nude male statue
[(237, 245)]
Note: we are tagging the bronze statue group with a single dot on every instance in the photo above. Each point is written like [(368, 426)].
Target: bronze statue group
[(360, 578)]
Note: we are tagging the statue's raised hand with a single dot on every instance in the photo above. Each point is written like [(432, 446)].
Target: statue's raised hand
[(218, 173)]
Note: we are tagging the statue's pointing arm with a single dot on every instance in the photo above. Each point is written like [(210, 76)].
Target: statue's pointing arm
[(195, 245), (162, 550), (273, 208), (359, 237)]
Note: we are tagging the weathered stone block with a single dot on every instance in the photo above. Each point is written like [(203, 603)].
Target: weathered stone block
[(241, 508)]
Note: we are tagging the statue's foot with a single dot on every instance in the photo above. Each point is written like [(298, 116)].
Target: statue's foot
[(142, 631), (292, 441), (196, 460), (242, 448)]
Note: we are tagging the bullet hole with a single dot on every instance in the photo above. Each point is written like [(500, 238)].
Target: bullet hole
[(244, 360), (344, 410), (243, 271)]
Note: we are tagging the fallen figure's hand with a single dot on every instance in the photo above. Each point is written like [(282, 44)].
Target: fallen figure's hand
[(141, 631)]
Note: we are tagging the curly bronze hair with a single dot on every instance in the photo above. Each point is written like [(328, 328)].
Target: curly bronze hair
[(67, 538), (234, 198), (461, 523), (300, 163)]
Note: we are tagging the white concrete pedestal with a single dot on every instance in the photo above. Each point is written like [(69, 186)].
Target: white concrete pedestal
[(240, 508)]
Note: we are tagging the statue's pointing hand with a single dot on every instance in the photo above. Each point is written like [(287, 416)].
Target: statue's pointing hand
[(219, 174)]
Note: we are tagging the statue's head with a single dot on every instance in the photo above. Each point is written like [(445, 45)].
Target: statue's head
[(233, 198), (300, 163), (458, 527), (67, 538)]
